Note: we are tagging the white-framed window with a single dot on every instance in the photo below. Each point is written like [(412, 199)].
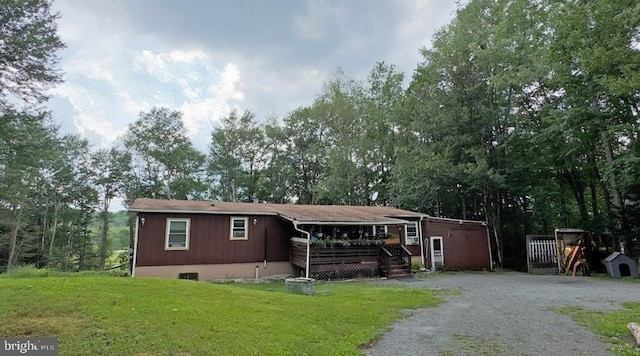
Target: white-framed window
[(379, 230), (177, 236), (239, 228), (411, 234)]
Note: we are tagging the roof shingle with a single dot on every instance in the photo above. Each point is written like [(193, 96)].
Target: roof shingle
[(294, 212)]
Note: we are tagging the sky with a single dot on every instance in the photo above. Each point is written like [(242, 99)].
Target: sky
[(205, 58)]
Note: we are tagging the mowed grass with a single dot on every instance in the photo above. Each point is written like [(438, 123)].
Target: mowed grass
[(611, 325), (101, 315)]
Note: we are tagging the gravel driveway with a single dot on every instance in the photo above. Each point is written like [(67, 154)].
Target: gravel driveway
[(504, 314)]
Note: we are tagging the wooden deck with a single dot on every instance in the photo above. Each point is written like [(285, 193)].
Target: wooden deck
[(337, 262)]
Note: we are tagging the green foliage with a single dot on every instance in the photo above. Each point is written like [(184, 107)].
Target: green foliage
[(164, 159), (237, 157), (158, 316), (111, 172), (28, 55), (516, 116), (28, 271), (331, 243)]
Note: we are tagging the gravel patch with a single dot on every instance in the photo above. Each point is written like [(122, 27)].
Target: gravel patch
[(504, 314)]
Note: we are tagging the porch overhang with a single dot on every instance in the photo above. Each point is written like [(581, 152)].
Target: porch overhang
[(347, 222)]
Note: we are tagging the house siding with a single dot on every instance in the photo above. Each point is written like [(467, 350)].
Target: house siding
[(465, 246), (209, 241)]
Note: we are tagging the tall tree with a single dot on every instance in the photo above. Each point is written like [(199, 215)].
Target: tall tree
[(462, 111), (27, 67), (595, 63), (67, 180), (164, 159), (28, 52), (308, 143), (277, 179), (111, 170), (237, 157), (27, 142)]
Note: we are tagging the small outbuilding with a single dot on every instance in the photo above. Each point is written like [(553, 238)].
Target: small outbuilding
[(620, 265)]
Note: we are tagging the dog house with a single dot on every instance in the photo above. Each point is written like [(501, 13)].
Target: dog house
[(619, 265)]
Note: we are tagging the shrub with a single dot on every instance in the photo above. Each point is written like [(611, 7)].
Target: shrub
[(29, 271), (33, 272)]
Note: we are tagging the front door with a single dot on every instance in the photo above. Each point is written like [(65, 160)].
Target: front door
[(437, 252)]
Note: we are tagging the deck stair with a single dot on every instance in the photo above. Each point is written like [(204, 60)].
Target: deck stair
[(395, 261)]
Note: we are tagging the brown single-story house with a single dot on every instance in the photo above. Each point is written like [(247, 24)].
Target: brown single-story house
[(211, 240)]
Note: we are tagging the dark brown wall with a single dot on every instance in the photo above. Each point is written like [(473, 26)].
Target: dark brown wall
[(414, 249), (209, 240), (465, 245)]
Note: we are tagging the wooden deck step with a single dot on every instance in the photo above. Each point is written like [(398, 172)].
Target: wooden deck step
[(400, 275)]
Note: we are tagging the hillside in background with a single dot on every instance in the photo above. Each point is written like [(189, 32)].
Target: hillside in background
[(118, 235)]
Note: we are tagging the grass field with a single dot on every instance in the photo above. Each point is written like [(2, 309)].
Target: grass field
[(101, 315), (611, 325)]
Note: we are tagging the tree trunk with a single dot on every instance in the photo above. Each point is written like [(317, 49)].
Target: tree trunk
[(67, 257), (44, 229), (105, 231), (464, 207), (493, 223), (13, 247), (83, 249), (577, 187), (54, 228), (608, 150), (593, 188)]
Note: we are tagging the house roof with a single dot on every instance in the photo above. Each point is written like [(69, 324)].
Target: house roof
[(612, 256), (615, 255), (569, 230), (303, 214)]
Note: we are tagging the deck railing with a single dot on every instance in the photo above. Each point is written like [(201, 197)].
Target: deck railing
[(336, 262), (385, 258)]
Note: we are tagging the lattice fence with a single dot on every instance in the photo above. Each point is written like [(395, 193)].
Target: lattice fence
[(345, 271)]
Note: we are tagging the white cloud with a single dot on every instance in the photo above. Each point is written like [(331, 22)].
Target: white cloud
[(89, 115), (155, 65), (421, 20), (229, 81), (122, 58), (188, 56), (199, 115)]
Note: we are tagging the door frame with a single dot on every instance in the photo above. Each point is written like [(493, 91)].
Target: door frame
[(431, 250)]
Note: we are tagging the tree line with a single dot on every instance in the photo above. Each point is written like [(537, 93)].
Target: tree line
[(521, 113)]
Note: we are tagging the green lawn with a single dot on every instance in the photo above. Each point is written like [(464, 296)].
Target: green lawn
[(100, 315), (612, 325)]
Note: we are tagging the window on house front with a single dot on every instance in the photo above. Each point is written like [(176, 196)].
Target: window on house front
[(379, 230), (411, 235), (177, 234), (239, 228)]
